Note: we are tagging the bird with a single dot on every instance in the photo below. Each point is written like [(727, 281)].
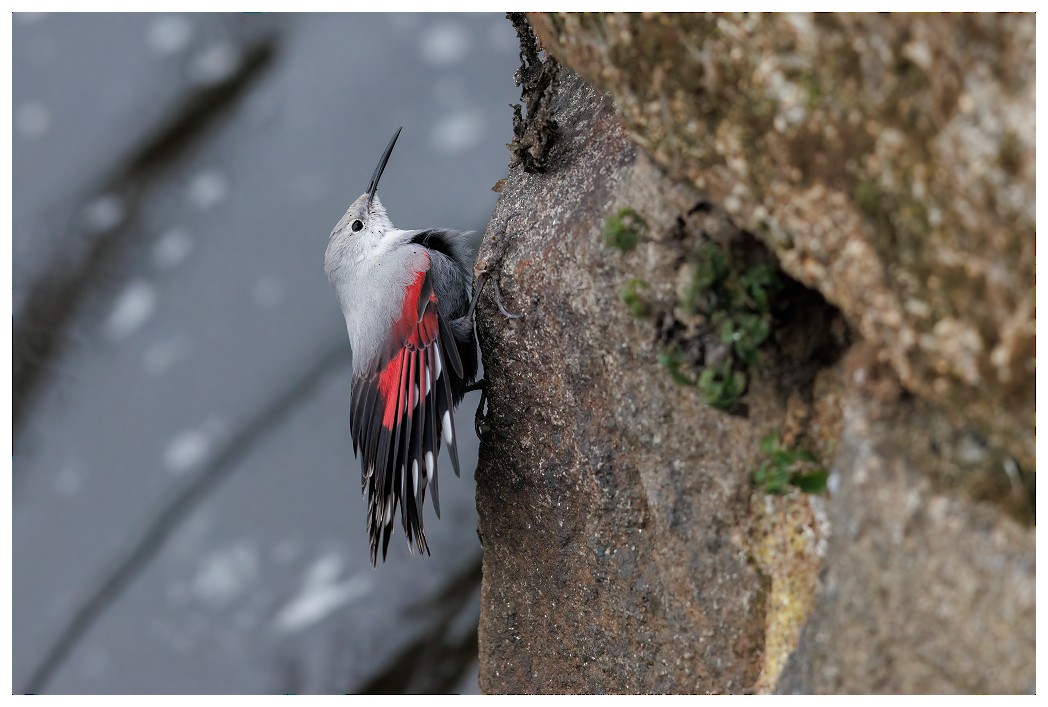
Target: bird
[(408, 304)]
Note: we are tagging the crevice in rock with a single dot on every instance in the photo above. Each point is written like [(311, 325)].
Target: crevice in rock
[(733, 284)]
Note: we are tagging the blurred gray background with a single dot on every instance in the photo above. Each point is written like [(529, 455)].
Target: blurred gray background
[(187, 510)]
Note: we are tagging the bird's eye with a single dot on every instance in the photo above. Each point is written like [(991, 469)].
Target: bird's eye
[(357, 225)]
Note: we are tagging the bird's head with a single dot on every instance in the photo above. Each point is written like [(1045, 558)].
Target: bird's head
[(366, 219)]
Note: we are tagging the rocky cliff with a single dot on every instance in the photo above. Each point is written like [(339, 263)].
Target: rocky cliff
[(767, 424)]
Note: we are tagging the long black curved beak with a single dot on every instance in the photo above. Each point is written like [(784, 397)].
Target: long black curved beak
[(373, 184)]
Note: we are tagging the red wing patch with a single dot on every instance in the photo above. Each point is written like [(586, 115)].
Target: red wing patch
[(401, 411)]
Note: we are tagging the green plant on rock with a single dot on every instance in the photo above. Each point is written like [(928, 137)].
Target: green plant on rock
[(721, 386), (746, 331), (636, 302), (624, 230), (736, 302), (758, 283), (709, 271), (784, 468), (671, 360), (711, 266)]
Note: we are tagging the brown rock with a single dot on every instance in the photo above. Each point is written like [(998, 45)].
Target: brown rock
[(625, 546), (924, 591), (887, 159), (614, 552)]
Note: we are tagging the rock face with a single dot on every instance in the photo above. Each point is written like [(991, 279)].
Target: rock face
[(887, 159), (626, 547), (923, 591), (609, 564), (615, 507)]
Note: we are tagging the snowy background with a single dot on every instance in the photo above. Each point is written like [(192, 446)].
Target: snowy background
[(187, 510)]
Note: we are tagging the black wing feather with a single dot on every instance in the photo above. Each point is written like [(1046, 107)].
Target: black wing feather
[(394, 428)]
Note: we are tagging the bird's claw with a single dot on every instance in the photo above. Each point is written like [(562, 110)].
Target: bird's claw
[(479, 418), (502, 307), (482, 271)]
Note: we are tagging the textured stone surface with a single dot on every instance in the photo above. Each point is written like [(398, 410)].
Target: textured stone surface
[(887, 159), (924, 591), (614, 555), (625, 547)]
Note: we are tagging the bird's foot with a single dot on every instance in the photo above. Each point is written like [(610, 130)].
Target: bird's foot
[(483, 268), (479, 417), (497, 294)]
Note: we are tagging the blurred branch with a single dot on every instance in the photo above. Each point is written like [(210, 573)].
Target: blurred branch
[(54, 296), (171, 514)]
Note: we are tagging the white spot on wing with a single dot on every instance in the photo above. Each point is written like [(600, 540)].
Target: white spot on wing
[(429, 465), (132, 309), (446, 424), (414, 474), (427, 381)]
